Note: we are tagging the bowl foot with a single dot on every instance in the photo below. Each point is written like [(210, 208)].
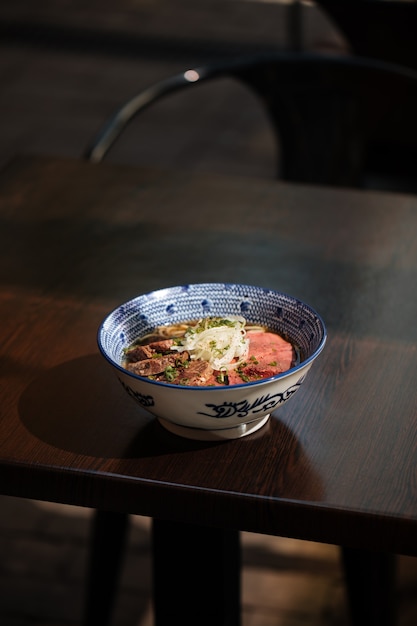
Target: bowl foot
[(214, 435)]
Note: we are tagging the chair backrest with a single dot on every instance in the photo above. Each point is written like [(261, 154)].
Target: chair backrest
[(328, 112), (380, 30)]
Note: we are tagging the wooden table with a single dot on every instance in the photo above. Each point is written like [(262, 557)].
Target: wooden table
[(336, 464)]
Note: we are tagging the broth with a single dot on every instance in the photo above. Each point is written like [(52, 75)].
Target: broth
[(210, 352)]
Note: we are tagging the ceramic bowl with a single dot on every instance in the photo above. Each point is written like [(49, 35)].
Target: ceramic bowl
[(217, 412)]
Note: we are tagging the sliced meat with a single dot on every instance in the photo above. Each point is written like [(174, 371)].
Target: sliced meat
[(269, 354), (196, 373), (139, 353), (157, 365), (161, 346)]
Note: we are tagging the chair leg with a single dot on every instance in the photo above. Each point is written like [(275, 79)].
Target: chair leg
[(108, 539), (196, 575), (295, 26), (370, 583)]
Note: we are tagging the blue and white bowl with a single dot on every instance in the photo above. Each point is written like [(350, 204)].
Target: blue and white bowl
[(209, 413)]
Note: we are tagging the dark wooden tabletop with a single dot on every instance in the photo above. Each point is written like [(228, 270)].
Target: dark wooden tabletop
[(338, 463)]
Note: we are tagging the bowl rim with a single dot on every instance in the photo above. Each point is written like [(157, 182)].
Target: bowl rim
[(160, 384)]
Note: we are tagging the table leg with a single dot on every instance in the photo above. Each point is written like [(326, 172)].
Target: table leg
[(370, 582), (108, 538), (196, 575)]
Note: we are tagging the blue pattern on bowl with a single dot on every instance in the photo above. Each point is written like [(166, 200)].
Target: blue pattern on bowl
[(280, 312)]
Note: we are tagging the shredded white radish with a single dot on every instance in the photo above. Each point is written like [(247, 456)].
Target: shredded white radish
[(220, 341)]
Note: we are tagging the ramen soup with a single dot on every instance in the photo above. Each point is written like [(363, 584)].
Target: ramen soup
[(211, 351)]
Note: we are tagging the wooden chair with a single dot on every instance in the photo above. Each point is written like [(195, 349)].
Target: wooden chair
[(335, 118), (328, 115)]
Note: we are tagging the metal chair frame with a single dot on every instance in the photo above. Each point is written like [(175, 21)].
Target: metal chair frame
[(330, 114)]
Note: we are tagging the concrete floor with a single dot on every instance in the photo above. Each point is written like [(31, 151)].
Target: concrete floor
[(64, 67)]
